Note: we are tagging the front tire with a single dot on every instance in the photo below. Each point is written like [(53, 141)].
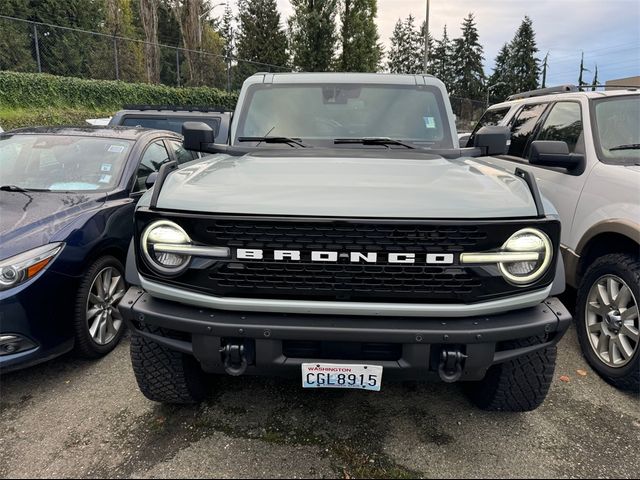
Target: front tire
[(164, 375), (98, 325), (519, 385), (607, 319)]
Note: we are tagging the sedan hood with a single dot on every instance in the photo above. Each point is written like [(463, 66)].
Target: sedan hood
[(31, 219), (341, 184)]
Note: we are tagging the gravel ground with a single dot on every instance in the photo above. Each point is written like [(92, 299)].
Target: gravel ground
[(73, 418)]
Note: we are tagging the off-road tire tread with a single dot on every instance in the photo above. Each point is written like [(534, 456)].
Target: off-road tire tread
[(630, 381), (519, 385), (165, 375)]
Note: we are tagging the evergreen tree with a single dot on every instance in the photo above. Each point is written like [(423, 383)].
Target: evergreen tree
[(130, 65), (361, 51), (524, 66), (260, 38), (15, 40), (312, 34), (442, 60), (67, 52), (405, 55), (500, 81), (227, 32), (595, 80), (468, 56)]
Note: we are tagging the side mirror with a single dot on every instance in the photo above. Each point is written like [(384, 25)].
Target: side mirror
[(548, 153), (197, 134), (493, 140), (151, 180)]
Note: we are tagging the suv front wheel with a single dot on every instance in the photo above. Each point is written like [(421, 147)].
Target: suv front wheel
[(607, 319)]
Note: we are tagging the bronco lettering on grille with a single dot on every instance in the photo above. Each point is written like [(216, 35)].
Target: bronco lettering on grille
[(352, 257)]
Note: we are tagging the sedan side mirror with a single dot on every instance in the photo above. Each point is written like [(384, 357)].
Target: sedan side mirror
[(493, 140), (196, 135), (550, 153), (151, 180)]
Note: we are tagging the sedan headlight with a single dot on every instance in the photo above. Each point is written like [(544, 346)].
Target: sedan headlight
[(25, 266), (159, 241), (524, 258)]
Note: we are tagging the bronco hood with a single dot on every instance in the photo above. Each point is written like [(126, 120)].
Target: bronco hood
[(347, 183)]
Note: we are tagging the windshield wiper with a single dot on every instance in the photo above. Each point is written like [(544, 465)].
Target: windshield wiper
[(630, 146), (16, 188), (372, 141), (286, 140)]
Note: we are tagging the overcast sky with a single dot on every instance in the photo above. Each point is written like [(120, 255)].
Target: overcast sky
[(608, 31)]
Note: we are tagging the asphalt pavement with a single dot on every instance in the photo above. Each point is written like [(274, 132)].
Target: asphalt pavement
[(75, 418)]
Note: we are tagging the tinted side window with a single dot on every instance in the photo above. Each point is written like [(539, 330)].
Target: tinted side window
[(154, 156), (182, 154), (173, 124), (564, 124), (523, 127)]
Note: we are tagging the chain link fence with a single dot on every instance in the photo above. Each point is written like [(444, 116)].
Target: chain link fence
[(27, 46)]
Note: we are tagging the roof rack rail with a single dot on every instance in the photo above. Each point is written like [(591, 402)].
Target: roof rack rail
[(175, 108), (544, 91)]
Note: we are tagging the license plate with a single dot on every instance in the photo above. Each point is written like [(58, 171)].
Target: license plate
[(329, 375)]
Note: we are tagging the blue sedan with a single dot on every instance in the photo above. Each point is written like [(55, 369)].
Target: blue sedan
[(66, 220)]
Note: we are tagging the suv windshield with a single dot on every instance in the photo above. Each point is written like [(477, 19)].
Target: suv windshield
[(319, 114), (61, 162), (617, 127)]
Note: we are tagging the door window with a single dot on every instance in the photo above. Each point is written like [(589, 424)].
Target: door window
[(564, 124), (181, 154), (523, 128), (489, 119), (154, 156)]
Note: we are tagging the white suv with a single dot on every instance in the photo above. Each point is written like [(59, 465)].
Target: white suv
[(584, 151)]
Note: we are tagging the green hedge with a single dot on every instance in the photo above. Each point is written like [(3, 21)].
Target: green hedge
[(18, 117), (42, 91)]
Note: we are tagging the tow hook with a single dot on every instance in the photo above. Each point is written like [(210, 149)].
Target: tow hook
[(451, 363), (235, 359)]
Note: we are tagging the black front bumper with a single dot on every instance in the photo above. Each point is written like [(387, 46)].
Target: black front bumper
[(483, 339)]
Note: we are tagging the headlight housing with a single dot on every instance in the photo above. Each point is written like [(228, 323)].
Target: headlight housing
[(523, 259), (25, 266), (164, 233), (527, 241)]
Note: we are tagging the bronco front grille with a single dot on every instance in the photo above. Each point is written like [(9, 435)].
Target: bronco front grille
[(343, 280)]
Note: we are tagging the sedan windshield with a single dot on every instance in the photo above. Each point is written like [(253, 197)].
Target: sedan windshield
[(617, 126), (61, 162), (320, 114)]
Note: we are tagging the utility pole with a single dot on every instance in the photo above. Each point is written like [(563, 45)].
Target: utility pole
[(426, 39)]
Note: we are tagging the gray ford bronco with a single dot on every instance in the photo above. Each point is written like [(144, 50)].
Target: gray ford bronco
[(341, 236)]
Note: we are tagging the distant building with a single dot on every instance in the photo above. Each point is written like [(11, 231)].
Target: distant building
[(620, 83)]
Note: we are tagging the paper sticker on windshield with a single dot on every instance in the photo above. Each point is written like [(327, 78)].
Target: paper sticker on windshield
[(116, 148), (105, 167), (105, 179), (429, 122)]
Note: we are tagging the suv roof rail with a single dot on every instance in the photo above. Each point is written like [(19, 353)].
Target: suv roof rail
[(544, 91), (176, 108)]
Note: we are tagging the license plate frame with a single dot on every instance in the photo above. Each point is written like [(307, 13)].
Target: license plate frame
[(342, 376)]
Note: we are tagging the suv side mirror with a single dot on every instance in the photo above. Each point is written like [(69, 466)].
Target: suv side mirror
[(550, 153), (196, 134), (493, 140)]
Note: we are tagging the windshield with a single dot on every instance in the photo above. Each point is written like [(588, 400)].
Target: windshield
[(61, 163), (319, 114), (617, 127)]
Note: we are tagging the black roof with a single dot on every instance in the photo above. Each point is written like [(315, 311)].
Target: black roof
[(123, 133)]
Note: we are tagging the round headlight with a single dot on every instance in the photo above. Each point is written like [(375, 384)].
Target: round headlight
[(528, 240), (165, 233)]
